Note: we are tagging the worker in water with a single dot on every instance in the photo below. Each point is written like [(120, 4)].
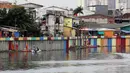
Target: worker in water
[(35, 49)]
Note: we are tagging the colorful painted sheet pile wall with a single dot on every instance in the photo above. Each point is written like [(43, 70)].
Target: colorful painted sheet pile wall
[(120, 44)]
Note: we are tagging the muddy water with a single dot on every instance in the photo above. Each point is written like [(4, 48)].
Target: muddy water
[(58, 62)]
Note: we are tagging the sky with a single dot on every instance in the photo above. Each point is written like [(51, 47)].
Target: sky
[(46, 3)]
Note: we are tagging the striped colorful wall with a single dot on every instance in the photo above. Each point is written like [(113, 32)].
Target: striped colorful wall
[(115, 44)]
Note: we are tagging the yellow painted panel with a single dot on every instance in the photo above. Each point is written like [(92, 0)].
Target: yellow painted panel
[(65, 38), (127, 49), (37, 38), (45, 38), (127, 42), (114, 45), (127, 36), (20, 38), (113, 42), (2, 39), (113, 49), (99, 43)]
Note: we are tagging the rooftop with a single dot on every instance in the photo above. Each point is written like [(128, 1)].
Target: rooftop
[(110, 26), (31, 5), (5, 2), (95, 16)]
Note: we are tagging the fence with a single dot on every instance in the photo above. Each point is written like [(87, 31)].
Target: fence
[(120, 44)]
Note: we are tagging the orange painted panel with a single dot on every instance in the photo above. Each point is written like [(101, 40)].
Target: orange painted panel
[(127, 45), (108, 33)]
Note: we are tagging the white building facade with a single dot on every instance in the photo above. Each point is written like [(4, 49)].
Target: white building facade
[(55, 14), (112, 4)]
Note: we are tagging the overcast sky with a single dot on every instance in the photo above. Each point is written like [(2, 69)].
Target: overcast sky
[(62, 3)]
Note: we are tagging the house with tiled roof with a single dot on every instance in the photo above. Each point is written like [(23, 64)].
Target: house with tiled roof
[(5, 4), (98, 18)]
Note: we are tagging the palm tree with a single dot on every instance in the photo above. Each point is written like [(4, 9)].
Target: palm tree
[(77, 11)]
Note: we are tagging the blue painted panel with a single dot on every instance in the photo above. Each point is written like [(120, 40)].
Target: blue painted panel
[(7, 39), (56, 38), (109, 45), (92, 43), (95, 44), (41, 38), (62, 38)]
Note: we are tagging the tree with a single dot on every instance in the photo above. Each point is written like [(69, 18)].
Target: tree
[(78, 10), (3, 14), (18, 17)]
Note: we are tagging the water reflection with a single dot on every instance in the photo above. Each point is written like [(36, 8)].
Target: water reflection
[(25, 60), (18, 60)]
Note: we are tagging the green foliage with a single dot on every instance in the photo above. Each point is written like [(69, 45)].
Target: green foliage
[(17, 17), (78, 10)]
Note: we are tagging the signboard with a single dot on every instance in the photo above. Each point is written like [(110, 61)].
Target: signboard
[(68, 22)]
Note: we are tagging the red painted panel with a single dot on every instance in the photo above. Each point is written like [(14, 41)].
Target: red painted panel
[(15, 39), (9, 45), (118, 44), (67, 49), (25, 38), (123, 42)]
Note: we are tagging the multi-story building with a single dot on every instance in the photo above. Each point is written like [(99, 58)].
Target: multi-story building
[(112, 5), (55, 19), (32, 9), (86, 4)]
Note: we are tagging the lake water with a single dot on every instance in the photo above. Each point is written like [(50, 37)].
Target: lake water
[(58, 62)]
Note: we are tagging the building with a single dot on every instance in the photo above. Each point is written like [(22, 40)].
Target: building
[(87, 3), (32, 9), (98, 18), (113, 5), (5, 4), (55, 20)]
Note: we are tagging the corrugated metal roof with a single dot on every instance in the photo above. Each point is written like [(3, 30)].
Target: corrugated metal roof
[(95, 15), (110, 26)]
